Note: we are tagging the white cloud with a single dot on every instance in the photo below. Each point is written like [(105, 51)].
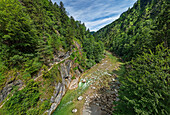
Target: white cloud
[(96, 13), (96, 25)]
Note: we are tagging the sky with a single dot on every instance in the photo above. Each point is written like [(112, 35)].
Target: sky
[(96, 13)]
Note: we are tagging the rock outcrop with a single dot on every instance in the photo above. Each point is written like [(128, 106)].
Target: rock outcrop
[(66, 71), (9, 87), (61, 88)]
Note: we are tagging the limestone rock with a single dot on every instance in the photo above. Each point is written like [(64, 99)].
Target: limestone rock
[(74, 111), (80, 98), (52, 99), (80, 69), (74, 84), (113, 79), (9, 87), (61, 54), (83, 81), (93, 88)]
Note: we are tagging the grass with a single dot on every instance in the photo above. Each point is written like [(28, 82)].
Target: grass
[(108, 64), (111, 57), (69, 102), (120, 71)]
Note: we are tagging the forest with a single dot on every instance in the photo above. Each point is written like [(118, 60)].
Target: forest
[(32, 32), (141, 37)]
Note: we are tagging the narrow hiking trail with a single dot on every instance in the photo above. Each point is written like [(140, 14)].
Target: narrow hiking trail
[(39, 76), (56, 63), (99, 88)]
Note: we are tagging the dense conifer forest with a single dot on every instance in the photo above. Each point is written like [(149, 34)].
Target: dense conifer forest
[(33, 32), (140, 28), (141, 37)]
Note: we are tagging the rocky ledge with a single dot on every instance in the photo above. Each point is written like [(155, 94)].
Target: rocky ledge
[(9, 87), (67, 82)]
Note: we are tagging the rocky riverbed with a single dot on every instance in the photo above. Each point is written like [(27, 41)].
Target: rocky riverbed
[(97, 87)]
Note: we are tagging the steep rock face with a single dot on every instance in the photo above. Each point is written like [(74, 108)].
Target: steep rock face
[(65, 67), (61, 88), (9, 87)]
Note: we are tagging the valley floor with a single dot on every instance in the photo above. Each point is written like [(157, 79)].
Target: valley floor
[(99, 90)]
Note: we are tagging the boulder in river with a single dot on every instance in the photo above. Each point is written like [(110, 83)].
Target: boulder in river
[(80, 98), (93, 88), (113, 80), (83, 81), (74, 110)]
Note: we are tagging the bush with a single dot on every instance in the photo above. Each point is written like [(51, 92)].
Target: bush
[(53, 74), (23, 100), (75, 68), (32, 66), (90, 63), (145, 87), (2, 77), (73, 77)]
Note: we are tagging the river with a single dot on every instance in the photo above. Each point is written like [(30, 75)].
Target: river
[(101, 84)]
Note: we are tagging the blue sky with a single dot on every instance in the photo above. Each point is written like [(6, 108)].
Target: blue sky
[(96, 13)]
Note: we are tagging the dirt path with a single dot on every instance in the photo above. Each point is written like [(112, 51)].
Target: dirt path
[(39, 76), (53, 66)]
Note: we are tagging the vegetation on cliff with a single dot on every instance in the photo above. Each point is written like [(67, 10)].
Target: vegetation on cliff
[(32, 33), (141, 37), (145, 86), (143, 26)]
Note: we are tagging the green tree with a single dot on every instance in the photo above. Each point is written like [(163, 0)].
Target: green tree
[(145, 87), (22, 100), (161, 27), (17, 33)]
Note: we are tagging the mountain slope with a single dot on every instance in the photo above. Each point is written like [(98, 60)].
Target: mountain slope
[(141, 37), (138, 29), (42, 50)]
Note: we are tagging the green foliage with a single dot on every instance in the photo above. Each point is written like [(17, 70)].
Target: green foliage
[(3, 68), (44, 51), (76, 68), (73, 55), (17, 34), (39, 110), (94, 50), (145, 87), (143, 26), (23, 100), (161, 27), (31, 34), (98, 51), (32, 66), (73, 78), (2, 77), (53, 74), (90, 63), (26, 76), (37, 28)]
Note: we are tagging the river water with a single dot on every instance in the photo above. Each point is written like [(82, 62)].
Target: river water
[(92, 77)]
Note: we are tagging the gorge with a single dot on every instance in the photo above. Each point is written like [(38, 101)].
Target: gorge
[(51, 64)]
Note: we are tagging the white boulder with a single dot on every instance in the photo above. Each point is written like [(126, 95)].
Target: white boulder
[(80, 98), (74, 110), (93, 88), (83, 81)]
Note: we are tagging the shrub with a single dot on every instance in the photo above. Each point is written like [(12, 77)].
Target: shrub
[(22, 100), (90, 63), (145, 87), (73, 77)]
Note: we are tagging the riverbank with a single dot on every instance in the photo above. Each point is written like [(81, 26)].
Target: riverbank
[(99, 91)]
